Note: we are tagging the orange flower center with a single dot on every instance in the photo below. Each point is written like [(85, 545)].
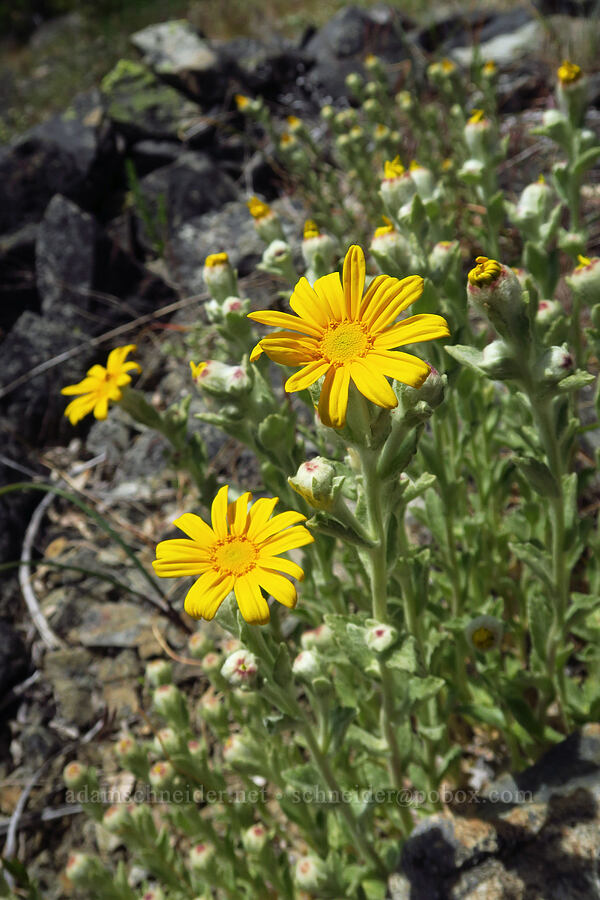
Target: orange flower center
[(483, 638), (345, 341), (235, 555)]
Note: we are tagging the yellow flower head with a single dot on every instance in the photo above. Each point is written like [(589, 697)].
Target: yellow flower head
[(447, 164), (568, 72), (393, 168), (100, 386), (294, 122), (197, 369), (584, 262), (448, 66), (241, 101), (477, 115), (489, 68), (483, 638), (216, 259), (414, 165), (258, 209), (386, 228), (238, 552), (311, 230), (287, 139), (485, 271), (342, 335)]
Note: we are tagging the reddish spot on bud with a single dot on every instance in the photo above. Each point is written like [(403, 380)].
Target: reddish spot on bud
[(379, 632), (543, 304), (200, 848)]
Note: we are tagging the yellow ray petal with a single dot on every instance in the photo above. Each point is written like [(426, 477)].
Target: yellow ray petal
[(196, 528), (206, 595), (354, 280), (403, 367), (288, 353), (424, 327), (306, 376), (278, 587), (256, 352), (391, 300), (116, 357), (306, 304), (298, 536), (260, 512), (253, 606), (83, 387), (181, 550), (285, 320), (373, 385), (218, 513), (101, 408), (281, 564), (328, 289), (333, 401), (278, 523), (237, 514), (170, 568)]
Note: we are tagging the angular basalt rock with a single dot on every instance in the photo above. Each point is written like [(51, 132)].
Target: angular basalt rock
[(18, 289)]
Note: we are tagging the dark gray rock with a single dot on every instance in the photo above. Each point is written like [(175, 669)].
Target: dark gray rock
[(149, 154), (13, 657), (266, 69), (340, 46), (73, 153), (481, 26), (84, 279), (18, 289)]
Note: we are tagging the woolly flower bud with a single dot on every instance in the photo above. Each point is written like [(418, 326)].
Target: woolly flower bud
[(404, 100), (75, 776), (397, 187), (129, 752), (212, 662), (169, 702), (498, 361), (571, 92), (495, 290), (484, 633), (240, 669), (317, 638), (195, 748), (166, 741), (554, 365), (306, 665), (556, 126), (479, 135), (310, 873), (318, 249), (444, 255), (201, 856), (547, 312), (153, 893), (116, 817), (277, 257), (534, 206), (266, 221), (83, 868), (199, 644), (255, 839), (472, 171), (161, 775), (237, 749), (380, 637), (235, 305), (423, 179), (489, 70), (314, 482), (210, 708), (584, 280), (159, 671), (219, 277), (391, 249), (219, 379), (354, 82), (327, 112), (441, 73)]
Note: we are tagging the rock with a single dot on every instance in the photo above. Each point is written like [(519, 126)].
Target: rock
[(186, 189), (507, 46), (18, 290), (149, 154), (68, 672), (73, 153), (119, 678), (13, 657), (536, 834), (120, 624), (340, 46), (499, 36), (142, 107), (183, 59), (84, 279), (266, 69)]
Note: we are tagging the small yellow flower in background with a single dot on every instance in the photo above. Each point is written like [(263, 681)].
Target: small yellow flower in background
[(489, 68), (484, 633), (287, 140), (197, 369), (342, 335), (311, 230), (241, 101), (216, 259), (477, 115), (239, 553), (447, 164), (258, 209), (100, 386), (393, 168), (583, 262), (448, 66), (568, 72), (386, 228), (485, 271), (294, 122)]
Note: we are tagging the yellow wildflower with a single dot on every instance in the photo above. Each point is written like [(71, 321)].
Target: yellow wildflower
[(485, 271), (258, 209), (100, 386), (568, 72), (216, 259), (393, 168), (311, 230)]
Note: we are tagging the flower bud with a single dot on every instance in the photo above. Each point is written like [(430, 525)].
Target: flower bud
[(239, 750), (310, 873), (83, 869), (397, 186), (571, 92), (572, 242), (484, 633), (319, 638), (153, 893), (472, 171), (219, 277), (195, 748), (404, 100), (169, 702), (212, 662), (266, 222), (318, 249), (423, 179), (327, 112), (235, 306), (131, 755), (345, 119), (442, 73), (381, 134), (444, 256), (584, 280), (479, 136), (498, 361), (159, 671), (554, 365), (221, 380), (277, 260), (381, 637), (495, 290), (166, 741), (547, 312), (240, 669), (306, 665), (211, 708), (255, 839), (391, 250), (314, 482), (533, 208), (489, 70), (354, 83), (199, 644), (555, 125), (161, 775), (201, 857), (117, 817), (76, 776)]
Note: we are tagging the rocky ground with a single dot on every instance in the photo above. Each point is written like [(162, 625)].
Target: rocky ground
[(91, 256)]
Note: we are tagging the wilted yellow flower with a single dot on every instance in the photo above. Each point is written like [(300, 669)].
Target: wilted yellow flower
[(101, 386), (239, 553), (386, 228), (485, 271), (342, 335), (568, 72), (258, 209), (489, 68), (311, 230), (393, 168), (584, 262), (216, 259), (197, 369), (477, 115)]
